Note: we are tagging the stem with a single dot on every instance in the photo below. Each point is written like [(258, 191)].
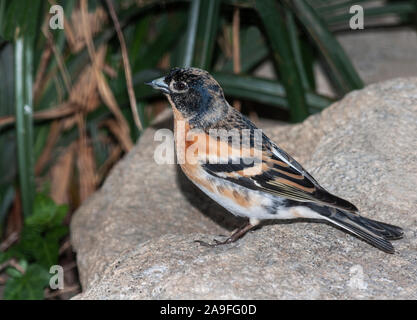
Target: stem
[(24, 121)]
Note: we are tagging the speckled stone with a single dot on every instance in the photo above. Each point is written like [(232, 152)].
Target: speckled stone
[(135, 237)]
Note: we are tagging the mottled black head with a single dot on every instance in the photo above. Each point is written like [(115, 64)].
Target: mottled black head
[(192, 91)]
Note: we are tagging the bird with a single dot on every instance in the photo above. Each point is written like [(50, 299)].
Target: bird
[(246, 172)]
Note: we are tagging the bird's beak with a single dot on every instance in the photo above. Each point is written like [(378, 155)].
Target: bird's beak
[(159, 84)]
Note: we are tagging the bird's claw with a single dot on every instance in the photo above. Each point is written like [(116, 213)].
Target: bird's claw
[(215, 244)]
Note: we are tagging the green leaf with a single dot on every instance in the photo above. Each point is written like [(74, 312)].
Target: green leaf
[(8, 160), (265, 91), (2, 14), (42, 231), (3, 256), (7, 83), (201, 34), (167, 36), (37, 248), (253, 50), (29, 286), (21, 18), (308, 54), (46, 214), (295, 40), (7, 195), (13, 272), (41, 137), (206, 33), (271, 15), (193, 16), (342, 70), (137, 41), (42, 247), (24, 120)]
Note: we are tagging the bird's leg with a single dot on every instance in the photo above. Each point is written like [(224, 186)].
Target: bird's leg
[(235, 235)]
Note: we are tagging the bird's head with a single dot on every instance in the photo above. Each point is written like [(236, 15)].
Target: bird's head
[(192, 91)]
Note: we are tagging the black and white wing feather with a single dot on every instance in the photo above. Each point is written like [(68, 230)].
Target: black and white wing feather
[(279, 174)]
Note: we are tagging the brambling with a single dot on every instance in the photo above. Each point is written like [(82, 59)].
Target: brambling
[(253, 177)]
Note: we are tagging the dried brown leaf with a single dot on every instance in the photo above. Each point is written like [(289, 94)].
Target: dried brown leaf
[(60, 61), (126, 64), (74, 29), (46, 154), (85, 162), (121, 135), (40, 74), (62, 110), (61, 174), (104, 89)]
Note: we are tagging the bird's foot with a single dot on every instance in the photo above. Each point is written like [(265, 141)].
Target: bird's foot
[(235, 236), (215, 242)]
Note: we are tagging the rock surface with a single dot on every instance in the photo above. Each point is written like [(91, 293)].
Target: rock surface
[(135, 237)]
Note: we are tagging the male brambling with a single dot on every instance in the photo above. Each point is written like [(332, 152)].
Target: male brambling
[(266, 184)]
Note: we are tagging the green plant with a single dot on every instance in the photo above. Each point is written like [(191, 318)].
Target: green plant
[(36, 251), (19, 27)]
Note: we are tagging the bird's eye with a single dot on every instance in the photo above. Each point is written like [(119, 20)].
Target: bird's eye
[(180, 86)]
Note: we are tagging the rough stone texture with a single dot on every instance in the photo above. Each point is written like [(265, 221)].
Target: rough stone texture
[(135, 238)]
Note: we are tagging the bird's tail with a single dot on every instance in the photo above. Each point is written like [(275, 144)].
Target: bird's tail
[(374, 232)]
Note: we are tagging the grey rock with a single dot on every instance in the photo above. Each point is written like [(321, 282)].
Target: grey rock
[(135, 238)]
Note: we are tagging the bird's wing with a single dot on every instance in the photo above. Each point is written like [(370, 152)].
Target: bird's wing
[(279, 174)]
